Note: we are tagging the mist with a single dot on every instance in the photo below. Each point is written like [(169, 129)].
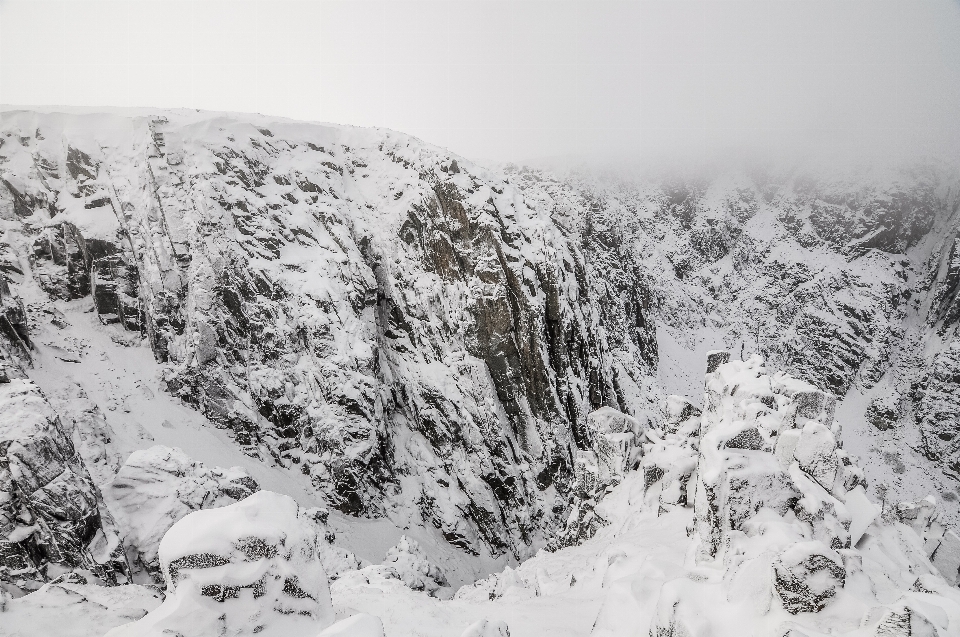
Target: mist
[(520, 81)]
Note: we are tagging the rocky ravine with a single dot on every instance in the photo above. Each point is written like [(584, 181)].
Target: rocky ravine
[(416, 333), (846, 279), (399, 325)]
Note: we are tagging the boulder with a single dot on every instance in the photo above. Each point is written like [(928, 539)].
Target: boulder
[(815, 454), (157, 487), (946, 557), (807, 575), (410, 563), (244, 569)]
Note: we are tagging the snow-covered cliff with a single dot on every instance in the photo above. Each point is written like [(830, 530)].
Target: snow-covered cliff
[(468, 364), (395, 323)]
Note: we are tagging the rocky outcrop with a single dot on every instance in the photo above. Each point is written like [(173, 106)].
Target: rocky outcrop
[(769, 441), (785, 533), (359, 306), (414, 569), (937, 409), (614, 449), (156, 488), (405, 565), (246, 568), (52, 516), (670, 456)]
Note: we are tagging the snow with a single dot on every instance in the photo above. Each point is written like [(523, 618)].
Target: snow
[(360, 625), (249, 567), (157, 487), (68, 609), (782, 477)]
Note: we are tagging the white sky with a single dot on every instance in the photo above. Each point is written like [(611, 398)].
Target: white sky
[(514, 80)]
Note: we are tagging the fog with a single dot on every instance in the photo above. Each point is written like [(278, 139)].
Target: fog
[(515, 81)]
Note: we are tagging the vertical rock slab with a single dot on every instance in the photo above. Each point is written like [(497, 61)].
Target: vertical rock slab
[(52, 516)]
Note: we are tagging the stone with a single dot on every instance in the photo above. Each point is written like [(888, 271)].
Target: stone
[(815, 454), (249, 567), (807, 576), (946, 557), (52, 515), (157, 487)]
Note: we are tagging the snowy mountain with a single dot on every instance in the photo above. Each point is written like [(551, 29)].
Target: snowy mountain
[(449, 368)]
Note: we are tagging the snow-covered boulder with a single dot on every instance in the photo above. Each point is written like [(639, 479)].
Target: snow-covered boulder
[(52, 516), (243, 569), (613, 437), (404, 565), (807, 575), (680, 416), (670, 456), (156, 487), (410, 563)]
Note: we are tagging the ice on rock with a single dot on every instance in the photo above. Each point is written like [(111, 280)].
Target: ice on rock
[(243, 569), (157, 487)]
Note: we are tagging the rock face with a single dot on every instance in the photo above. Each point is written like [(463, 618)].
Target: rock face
[(845, 279), (415, 332), (778, 503), (157, 487), (360, 306), (768, 441), (243, 569), (52, 517)]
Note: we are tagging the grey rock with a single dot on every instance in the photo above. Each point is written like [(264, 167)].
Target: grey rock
[(807, 576), (52, 516)]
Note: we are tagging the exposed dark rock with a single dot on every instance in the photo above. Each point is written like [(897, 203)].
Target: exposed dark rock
[(52, 516)]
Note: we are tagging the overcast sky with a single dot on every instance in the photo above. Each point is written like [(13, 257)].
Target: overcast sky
[(515, 80)]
